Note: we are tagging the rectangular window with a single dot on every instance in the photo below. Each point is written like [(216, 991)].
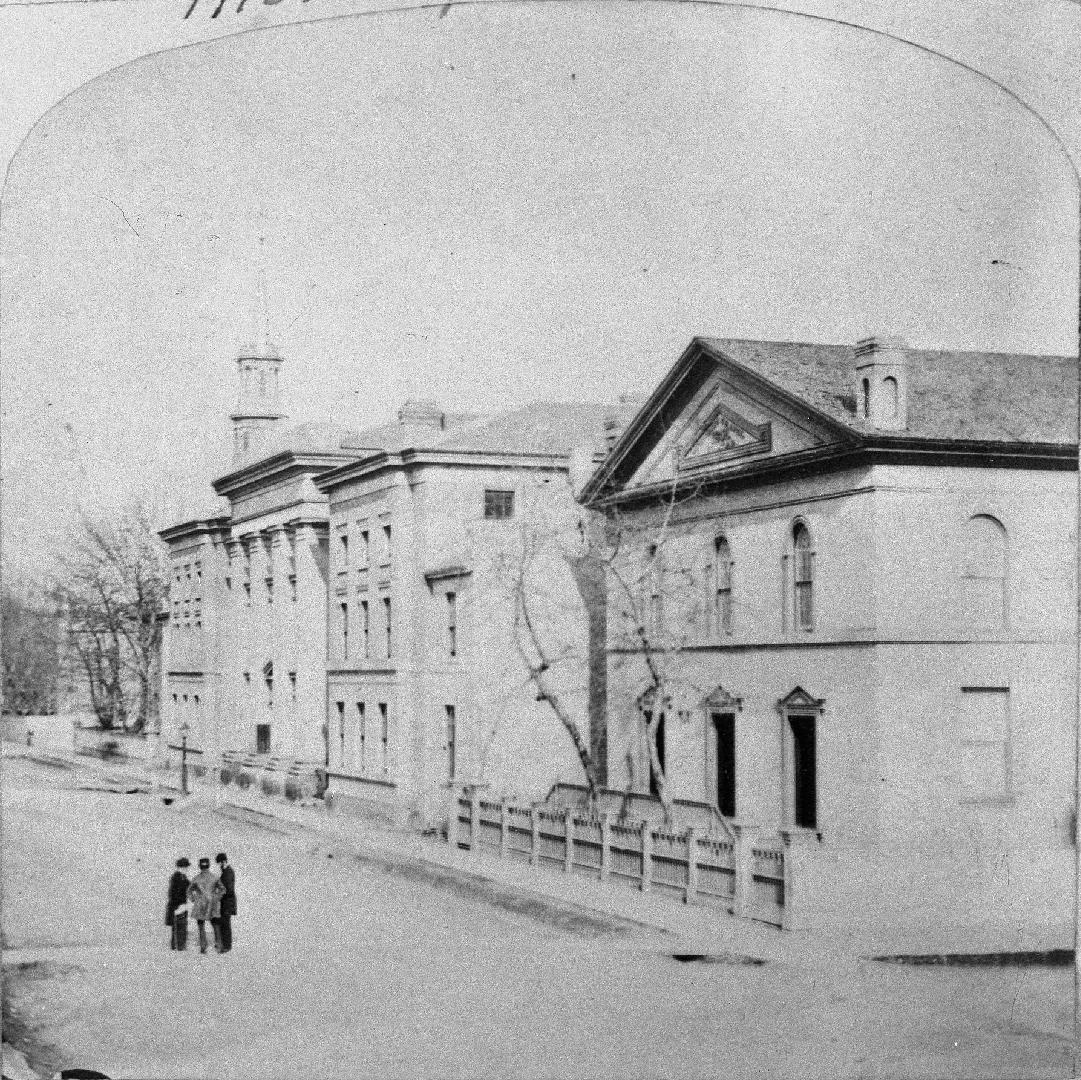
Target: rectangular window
[(343, 549), (270, 590), (983, 735), (345, 630), (198, 571), (804, 777), (804, 573), (341, 734), (452, 623), (293, 685), (386, 544), (450, 721), (293, 588), (389, 627), (362, 736), (498, 505), (366, 628), (262, 738), (724, 594), (384, 737), (365, 547), (197, 611), (247, 593)]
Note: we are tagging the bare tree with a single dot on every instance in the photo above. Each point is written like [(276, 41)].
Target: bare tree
[(538, 654), (30, 638), (660, 602), (110, 585)]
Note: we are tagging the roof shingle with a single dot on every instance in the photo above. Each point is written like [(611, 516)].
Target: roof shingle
[(951, 395)]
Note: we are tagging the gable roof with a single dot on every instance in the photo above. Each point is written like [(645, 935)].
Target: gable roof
[(980, 402), (1001, 397), (542, 427)]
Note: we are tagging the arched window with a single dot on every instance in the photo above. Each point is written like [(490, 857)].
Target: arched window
[(866, 398), (983, 573), (803, 568), (889, 385), (722, 571)]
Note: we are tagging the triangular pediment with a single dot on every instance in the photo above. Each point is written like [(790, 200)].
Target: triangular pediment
[(713, 416), (721, 698), (799, 699), (721, 434)]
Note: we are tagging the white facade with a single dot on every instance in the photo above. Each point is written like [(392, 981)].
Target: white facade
[(443, 696), (867, 644)]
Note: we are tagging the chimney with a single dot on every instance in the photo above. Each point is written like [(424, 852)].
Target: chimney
[(882, 382), (420, 423), (422, 414), (625, 409)]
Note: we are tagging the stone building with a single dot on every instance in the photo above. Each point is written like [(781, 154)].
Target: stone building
[(244, 654), (441, 544), (851, 609), (385, 561)]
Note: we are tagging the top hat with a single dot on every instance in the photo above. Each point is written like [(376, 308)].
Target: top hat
[(204, 863), (221, 857), (182, 862)]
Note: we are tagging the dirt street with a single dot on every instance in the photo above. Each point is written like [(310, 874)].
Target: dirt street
[(340, 970)]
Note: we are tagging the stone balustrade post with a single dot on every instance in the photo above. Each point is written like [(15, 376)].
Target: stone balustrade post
[(743, 853), (606, 846), (568, 854), (452, 819), (647, 856), (691, 893)]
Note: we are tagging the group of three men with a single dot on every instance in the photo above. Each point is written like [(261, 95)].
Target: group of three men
[(208, 897)]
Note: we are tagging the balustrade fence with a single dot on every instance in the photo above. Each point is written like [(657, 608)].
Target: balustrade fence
[(736, 870)]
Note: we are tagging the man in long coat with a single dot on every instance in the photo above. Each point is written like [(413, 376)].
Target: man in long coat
[(228, 901), (205, 893), (178, 897)]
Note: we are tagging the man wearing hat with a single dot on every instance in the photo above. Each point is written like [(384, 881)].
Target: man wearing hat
[(178, 898), (205, 893), (228, 901)]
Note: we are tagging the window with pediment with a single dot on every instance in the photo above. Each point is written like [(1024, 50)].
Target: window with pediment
[(801, 715), (722, 709)]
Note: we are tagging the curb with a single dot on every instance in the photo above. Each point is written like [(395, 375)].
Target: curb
[(510, 897)]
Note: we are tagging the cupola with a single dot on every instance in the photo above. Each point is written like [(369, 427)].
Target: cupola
[(882, 382)]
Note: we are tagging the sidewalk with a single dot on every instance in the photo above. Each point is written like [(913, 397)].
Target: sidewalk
[(676, 927), (701, 928)]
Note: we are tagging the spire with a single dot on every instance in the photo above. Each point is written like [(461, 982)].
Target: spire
[(260, 342), (258, 410)]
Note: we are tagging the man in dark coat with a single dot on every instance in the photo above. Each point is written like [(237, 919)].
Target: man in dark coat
[(228, 901), (178, 897), (204, 894)]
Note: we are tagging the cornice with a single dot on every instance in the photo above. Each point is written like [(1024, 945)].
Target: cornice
[(406, 460), (873, 450), (194, 528), (279, 466)]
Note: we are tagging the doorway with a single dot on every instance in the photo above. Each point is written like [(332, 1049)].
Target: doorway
[(804, 778), (724, 730)]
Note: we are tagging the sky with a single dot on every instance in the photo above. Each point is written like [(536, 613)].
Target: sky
[(490, 205)]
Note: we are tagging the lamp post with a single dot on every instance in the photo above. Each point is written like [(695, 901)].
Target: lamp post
[(184, 729)]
